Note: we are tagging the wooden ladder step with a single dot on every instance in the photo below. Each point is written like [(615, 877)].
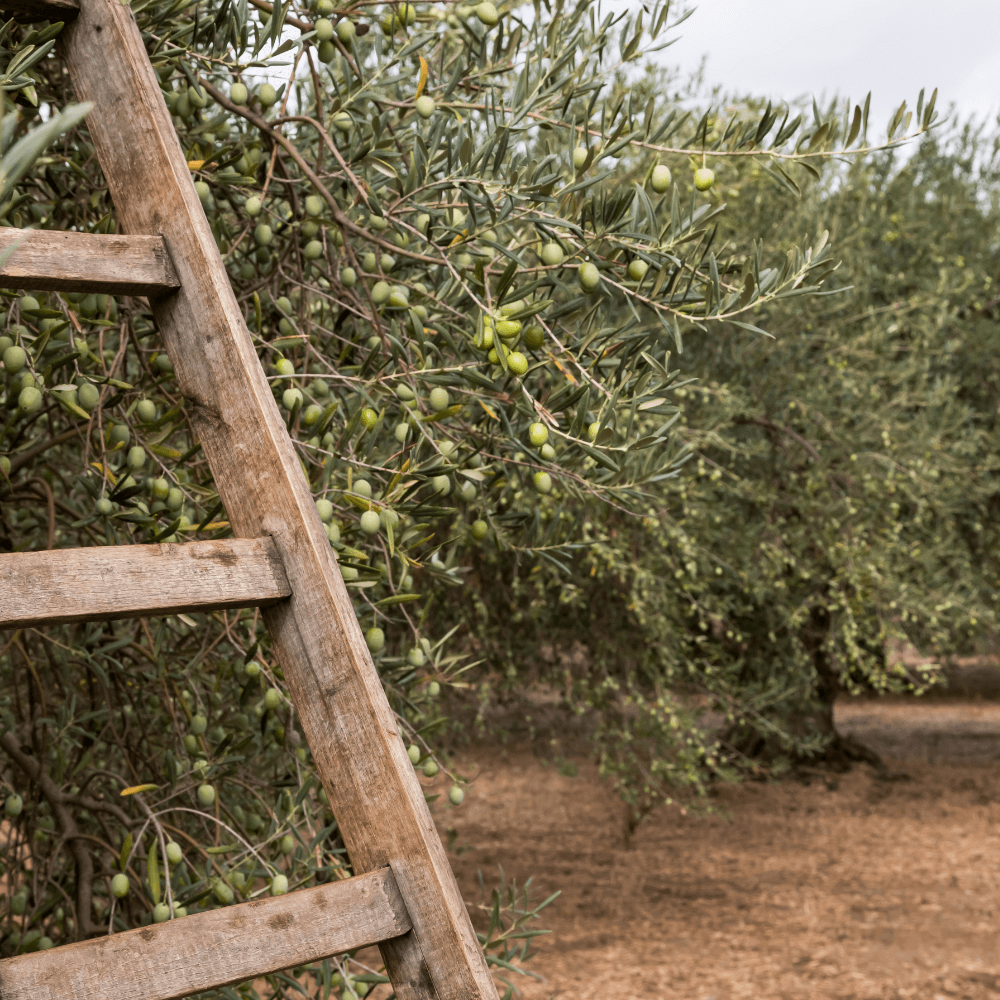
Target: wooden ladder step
[(133, 581), (208, 950), (85, 262), (41, 10)]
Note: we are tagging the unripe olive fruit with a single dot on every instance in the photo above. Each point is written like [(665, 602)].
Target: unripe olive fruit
[(402, 431), (197, 97), (325, 509), (174, 853), (206, 795), (456, 796), (119, 434), (430, 768), (287, 844), (660, 178), (538, 434), (363, 488), (348, 572), (223, 892), (548, 452), (439, 399), (29, 399), (28, 303), (13, 805), (252, 206), (509, 329), (552, 254), (487, 13), (14, 359), (348, 277), (415, 657), (375, 638), (136, 458), (467, 491), (267, 94), (120, 886), (704, 178), (387, 262), (279, 885), (313, 250), (517, 363), (263, 234), (370, 522), (198, 724), (346, 30), (238, 93), (637, 269), (290, 397), (425, 105), (146, 411), (589, 276), (87, 396), (434, 689), (413, 752), (534, 337), (593, 429), (284, 368), (314, 205), (327, 52), (324, 29), (203, 191), (442, 485), (161, 912), (579, 157), (272, 699), (479, 530), (311, 414), (543, 482), (342, 121), (252, 669)]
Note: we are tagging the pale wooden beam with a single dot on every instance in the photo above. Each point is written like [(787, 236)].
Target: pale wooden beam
[(131, 581), (56, 260), (204, 951), (335, 688), (41, 10)]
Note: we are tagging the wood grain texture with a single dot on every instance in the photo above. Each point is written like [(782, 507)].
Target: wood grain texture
[(350, 727), (204, 951), (41, 10), (132, 581), (86, 262)]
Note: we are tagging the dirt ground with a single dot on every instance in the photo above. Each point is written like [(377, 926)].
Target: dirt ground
[(852, 887)]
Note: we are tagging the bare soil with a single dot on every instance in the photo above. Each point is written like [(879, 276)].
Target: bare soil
[(850, 887)]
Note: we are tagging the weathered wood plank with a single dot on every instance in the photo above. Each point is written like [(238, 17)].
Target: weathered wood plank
[(204, 951), (373, 790), (86, 262), (41, 10), (131, 581)]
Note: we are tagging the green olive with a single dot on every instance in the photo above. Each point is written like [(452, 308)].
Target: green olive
[(487, 13), (263, 234), (479, 529), (534, 337), (238, 93), (362, 488), (13, 805), (325, 509), (439, 399), (543, 482), (198, 724), (660, 179), (287, 844), (430, 768), (442, 485), (425, 105), (342, 121), (206, 795), (637, 269), (413, 752), (313, 250), (348, 277), (161, 912), (324, 29), (279, 885), (252, 206), (146, 411), (380, 292), (589, 276), (267, 94), (272, 699), (456, 796), (29, 400), (552, 254), (375, 639), (370, 522), (517, 363), (538, 434), (14, 359), (704, 178), (120, 886), (346, 30), (174, 853)]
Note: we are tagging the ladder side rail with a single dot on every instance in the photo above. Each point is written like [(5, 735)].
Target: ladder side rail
[(110, 582), (204, 951), (57, 261), (335, 688)]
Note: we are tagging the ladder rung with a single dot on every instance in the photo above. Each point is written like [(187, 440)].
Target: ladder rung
[(41, 10), (204, 951), (86, 262), (131, 581)]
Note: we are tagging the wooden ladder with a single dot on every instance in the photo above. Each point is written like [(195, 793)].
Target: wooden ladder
[(404, 896)]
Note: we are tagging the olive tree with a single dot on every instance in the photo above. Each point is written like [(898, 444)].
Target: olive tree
[(466, 248)]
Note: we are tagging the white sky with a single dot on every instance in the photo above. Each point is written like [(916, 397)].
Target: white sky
[(788, 48)]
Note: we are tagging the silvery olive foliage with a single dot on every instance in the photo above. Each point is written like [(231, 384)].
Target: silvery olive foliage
[(469, 248)]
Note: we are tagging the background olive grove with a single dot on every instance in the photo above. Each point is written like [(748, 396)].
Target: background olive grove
[(513, 318)]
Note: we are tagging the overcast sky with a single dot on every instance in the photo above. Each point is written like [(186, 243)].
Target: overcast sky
[(787, 48)]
